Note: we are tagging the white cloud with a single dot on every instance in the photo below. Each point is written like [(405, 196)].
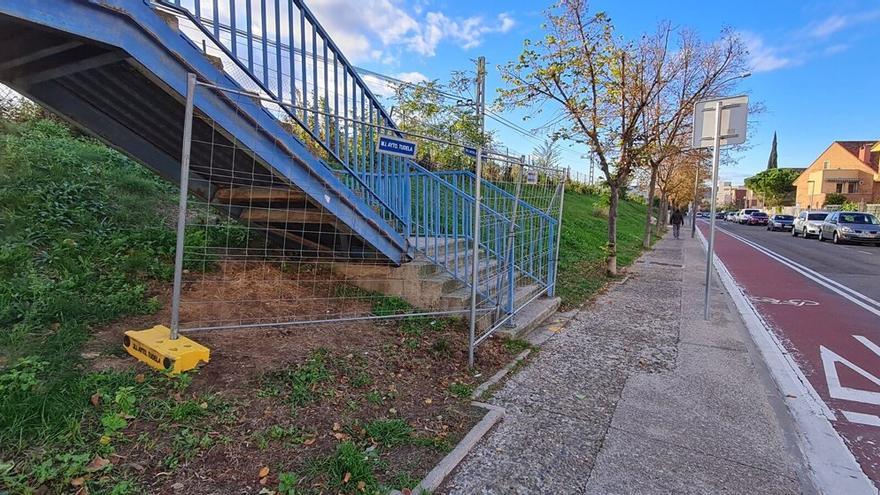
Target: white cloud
[(468, 32), (837, 22), (373, 27), (822, 37), (383, 88), (411, 77), (829, 26), (763, 57), (835, 49)]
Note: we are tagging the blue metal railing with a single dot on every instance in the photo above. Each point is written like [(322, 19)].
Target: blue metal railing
[(534, 239), (442, 229)]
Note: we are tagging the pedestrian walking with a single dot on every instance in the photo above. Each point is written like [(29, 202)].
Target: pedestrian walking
[(677, 219)]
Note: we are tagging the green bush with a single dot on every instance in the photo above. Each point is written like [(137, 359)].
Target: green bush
[(834, 199)]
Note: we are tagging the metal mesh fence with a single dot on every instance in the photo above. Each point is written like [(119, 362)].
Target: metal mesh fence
[(264, 247), (262, 251), (14, 107), (522, 205)]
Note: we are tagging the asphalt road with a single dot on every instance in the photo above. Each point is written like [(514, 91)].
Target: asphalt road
[(856, 266)]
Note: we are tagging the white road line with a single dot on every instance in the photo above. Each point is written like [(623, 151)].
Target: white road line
[(864, 252), (832, 466), (850, 294)]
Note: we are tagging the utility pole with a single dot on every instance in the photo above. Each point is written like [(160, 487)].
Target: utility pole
[(480, 105)]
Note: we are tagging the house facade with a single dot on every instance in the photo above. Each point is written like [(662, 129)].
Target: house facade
[(851, 168), (732, 195)]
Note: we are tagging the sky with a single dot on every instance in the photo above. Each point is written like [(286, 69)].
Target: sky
[(815, 63)]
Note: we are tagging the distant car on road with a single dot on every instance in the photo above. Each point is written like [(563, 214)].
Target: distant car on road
[(851, 226), (744, 214), (808, 223), (730, 216), (720, 215), (781, 222), (758, 218)]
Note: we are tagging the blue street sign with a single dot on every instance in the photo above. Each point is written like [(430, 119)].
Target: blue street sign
[(471, 152), (397, 146)]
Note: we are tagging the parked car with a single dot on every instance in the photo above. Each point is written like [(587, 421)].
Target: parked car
[(851, 226), (743, 215), (781, 222), (758, 218), (730, 216), (720, 215), (808, 223)]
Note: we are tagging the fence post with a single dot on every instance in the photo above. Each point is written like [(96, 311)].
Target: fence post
[(511, 249), (475, 263), (181, 213), (555, 265)]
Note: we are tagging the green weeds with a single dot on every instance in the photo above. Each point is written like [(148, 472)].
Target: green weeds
[(302, 384), (461, 390)]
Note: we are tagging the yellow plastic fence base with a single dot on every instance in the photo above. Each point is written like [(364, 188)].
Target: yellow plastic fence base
[(155, 348)]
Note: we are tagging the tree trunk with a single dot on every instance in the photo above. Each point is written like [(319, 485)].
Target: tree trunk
[(646, 241), (611, 260), (663, 215)]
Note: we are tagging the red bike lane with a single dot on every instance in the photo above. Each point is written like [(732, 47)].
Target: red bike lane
[(835, 342)]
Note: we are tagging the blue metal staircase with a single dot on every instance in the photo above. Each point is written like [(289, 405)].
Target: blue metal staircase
[(117, 69)]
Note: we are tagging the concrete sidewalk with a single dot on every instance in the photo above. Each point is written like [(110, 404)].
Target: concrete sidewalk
[(640, 395)]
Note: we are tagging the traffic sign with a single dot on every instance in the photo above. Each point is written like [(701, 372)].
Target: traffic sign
[(397, 146), (532, 177), (471, 152), (734, 119)]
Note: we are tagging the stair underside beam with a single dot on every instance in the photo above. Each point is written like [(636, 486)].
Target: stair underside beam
[(261, 194), (286, 216)]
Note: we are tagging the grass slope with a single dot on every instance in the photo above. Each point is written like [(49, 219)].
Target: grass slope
[(584, 238), (83, 237)]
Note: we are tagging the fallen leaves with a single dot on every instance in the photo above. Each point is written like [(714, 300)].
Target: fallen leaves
[(139, 378), (264, 471), (95, 399), (346, 478), (362, 486), (97, 464)]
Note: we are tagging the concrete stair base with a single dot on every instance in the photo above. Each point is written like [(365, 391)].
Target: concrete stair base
[(530, 317), (427, 286)]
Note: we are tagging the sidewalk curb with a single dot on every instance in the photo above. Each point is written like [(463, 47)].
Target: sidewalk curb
[(435, 477), (832, 467)]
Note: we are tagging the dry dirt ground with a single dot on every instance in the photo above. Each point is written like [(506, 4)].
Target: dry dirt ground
[(330, 408)]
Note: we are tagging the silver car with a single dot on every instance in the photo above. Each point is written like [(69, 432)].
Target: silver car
[(851, 226), (808, 223)]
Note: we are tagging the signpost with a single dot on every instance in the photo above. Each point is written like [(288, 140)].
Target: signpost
[(397, 146), (718, 123), (532, 177), (471, 152)]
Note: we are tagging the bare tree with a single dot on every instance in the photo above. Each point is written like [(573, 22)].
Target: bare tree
[(547, 154), (696, 71), (602, 83)]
